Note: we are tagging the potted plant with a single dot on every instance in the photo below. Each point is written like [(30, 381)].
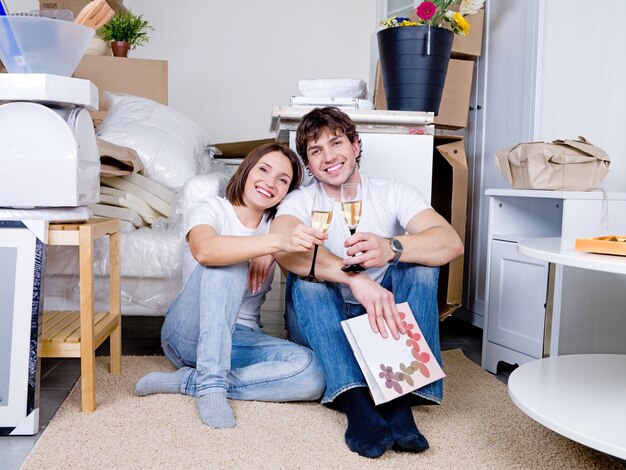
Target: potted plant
[(414, 52), (125, 31)]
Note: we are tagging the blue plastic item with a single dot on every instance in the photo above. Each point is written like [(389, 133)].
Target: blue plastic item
[(30, 44), (9, 46)]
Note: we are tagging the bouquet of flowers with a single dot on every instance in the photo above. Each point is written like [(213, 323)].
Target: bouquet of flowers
[(439, 13)]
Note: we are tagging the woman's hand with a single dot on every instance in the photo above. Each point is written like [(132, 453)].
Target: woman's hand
[(301, 238), (258, 271)]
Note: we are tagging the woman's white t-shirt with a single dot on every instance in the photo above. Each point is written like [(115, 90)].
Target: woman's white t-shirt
[(219, 214), (388, 206)]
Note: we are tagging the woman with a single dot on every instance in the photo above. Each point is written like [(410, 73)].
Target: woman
[(212, 329)]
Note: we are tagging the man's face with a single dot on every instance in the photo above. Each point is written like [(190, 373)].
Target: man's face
[(332, 159)]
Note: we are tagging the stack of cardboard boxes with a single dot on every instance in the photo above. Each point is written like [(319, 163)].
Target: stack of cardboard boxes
[(147, 78), (449, 182), (76, 5)]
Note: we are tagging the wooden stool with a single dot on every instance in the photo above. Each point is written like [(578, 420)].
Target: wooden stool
[(78, 334)]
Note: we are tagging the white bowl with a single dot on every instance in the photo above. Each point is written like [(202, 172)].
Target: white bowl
[(31, 44)]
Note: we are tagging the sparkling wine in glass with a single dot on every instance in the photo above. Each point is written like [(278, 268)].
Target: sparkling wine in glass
[(321, 215), (351, 202)]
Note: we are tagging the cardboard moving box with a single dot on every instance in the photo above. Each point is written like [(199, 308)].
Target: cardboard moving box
[(449, 199), (76, 5), (140, 77), (455, 101), (457, 91), (470, 46)]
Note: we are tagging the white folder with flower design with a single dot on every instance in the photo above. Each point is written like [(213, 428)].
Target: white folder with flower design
[(392, 367)]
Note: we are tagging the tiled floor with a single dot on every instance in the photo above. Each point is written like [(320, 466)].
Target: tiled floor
[(141, 337)]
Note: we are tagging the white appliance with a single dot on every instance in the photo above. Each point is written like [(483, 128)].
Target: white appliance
[(48, 151)]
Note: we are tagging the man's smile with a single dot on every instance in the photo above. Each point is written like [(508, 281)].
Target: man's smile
[(334, 168)]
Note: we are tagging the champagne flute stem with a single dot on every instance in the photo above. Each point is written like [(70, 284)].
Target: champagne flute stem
[(353, 268), (312, 272)]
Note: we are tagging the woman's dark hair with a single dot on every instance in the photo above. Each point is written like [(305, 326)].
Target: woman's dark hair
[(237, 183), (336, 121)]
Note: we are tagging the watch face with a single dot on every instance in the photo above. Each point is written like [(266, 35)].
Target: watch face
[(395, 244)]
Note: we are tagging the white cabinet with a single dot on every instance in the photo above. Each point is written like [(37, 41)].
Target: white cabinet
[(513, 331), (519, 288), (395, 144), (403, 157), (517, 300)]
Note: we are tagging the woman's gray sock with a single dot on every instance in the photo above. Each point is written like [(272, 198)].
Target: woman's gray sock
[(162, 382), (215, 411)]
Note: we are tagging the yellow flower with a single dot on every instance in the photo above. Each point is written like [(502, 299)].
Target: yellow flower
[(462, 24), (443, 15)]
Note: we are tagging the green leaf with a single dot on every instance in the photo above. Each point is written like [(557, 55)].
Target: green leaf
[(126, 27)]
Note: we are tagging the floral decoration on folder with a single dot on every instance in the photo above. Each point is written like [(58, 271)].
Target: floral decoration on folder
[(392, 367)]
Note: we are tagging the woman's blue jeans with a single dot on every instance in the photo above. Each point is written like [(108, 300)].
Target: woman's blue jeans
[(200, 333), (315, 310)]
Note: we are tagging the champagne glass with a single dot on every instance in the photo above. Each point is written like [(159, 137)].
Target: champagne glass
[(351, 202), (321, 215)]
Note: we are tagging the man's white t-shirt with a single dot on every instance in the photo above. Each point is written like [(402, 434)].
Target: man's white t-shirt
[(219, 214), (387, 208)]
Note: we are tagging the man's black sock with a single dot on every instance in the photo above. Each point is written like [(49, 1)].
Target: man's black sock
[(398, 415), (368, 434)]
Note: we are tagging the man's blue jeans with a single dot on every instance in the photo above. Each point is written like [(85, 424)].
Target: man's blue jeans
[(315, 310), (200, 333)]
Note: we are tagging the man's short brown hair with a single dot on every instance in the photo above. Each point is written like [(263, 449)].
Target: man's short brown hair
[(312, 123)]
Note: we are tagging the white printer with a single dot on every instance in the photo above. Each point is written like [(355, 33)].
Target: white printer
[(48, 151)]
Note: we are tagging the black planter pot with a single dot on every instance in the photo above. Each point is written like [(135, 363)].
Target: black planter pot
[(414, 62)]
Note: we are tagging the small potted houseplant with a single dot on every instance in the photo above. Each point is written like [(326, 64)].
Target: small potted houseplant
[(125, 31), (414, 52)]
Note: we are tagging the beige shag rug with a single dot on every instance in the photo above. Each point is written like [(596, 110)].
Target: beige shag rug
[(476, 427)]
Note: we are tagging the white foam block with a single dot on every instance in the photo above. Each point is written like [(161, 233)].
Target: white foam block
[(47, 88)]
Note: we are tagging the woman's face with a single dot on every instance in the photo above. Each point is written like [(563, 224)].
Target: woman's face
[(268, 181)]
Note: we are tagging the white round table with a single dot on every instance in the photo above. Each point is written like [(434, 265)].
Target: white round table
[(580, 396)]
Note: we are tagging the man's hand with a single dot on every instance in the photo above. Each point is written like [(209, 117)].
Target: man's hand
[(258, 271), (369, 250), (379, 304), (301, 238)]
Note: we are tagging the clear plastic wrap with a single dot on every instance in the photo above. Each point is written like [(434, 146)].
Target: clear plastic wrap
[(151, 268), (167, 142), (151, 258), (53, 214), (333, 87)]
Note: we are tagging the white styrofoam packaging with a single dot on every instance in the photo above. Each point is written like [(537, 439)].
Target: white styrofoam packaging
[(48, 157), (48, 89)]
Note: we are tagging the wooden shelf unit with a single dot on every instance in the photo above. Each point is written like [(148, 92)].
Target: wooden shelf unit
[(78, 334)]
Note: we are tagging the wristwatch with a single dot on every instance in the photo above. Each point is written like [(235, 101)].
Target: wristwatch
[(397, 248)]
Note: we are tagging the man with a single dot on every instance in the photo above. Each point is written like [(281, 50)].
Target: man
[(400, 240)]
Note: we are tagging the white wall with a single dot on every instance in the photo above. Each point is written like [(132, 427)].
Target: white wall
[(231, 61), (582, 79), (548, 71)]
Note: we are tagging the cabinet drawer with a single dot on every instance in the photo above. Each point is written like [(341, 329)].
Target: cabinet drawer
[(517, 297)]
